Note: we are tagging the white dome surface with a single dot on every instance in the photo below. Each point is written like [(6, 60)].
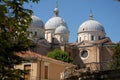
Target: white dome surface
[(36, 22), (54, 22), (61, 29), (91, 25)]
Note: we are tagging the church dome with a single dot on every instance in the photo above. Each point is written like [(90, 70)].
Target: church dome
[(91, 30), (36, 22), (55, 21), (61, 29), (91, 25)]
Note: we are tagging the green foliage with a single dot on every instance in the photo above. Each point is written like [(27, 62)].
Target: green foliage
[(60, 55), (13, 37), (117, 0), (115, 63)]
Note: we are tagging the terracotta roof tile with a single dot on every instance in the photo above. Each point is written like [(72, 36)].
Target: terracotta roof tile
[(103, 40), (31, 54)]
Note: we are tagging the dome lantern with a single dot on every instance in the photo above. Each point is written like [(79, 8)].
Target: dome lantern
[(56, 12)]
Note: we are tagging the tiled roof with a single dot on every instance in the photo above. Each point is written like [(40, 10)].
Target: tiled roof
[(105, 41), (30, 54)]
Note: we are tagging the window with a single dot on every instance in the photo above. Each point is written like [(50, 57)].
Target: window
[(27, 75), (84, 54), (83, 29), (46, 72), (80, 38), (99, 38), (92, 37)]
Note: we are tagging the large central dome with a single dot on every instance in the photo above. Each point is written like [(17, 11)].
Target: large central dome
[(55, 21)]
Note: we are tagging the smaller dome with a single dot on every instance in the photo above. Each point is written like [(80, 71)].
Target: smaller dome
[(36, 22), (61, 29)]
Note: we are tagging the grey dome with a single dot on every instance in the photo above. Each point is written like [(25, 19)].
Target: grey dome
[(37, 22), (91, 25), (61, 29), (54, 22)]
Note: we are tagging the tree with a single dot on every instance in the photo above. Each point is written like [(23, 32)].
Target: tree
[(118, 0), (13, 24), (115, 63), (60, 55)]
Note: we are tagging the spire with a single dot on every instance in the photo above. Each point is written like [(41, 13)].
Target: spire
[(56, 3), (91, 15), (56, 11)]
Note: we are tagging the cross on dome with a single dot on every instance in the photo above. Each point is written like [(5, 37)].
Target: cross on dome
[(56, 11), (91, 15)]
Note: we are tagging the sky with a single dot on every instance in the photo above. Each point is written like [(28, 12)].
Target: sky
[(75, 12)]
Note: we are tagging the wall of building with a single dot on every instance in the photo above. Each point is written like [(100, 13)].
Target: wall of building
[(87, 35), (37, 71), (106, 52)]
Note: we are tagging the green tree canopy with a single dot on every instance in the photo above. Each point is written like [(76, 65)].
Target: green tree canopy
[(115, 63), (60, 55), (118, 0), (14, 20)]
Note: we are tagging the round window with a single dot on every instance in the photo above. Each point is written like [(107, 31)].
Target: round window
[(84, 54)]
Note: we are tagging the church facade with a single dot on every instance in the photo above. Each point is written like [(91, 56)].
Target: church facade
[(92, 50)]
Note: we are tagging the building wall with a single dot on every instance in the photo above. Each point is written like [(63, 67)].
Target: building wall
[(98, 57), (49, 34), (33, 70), (106, 52), (37, 71), (92, 59), (62, 38), (55, 71), (87, 36), (36, 32)]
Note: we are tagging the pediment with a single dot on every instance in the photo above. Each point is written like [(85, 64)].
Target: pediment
[(85, 43)]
